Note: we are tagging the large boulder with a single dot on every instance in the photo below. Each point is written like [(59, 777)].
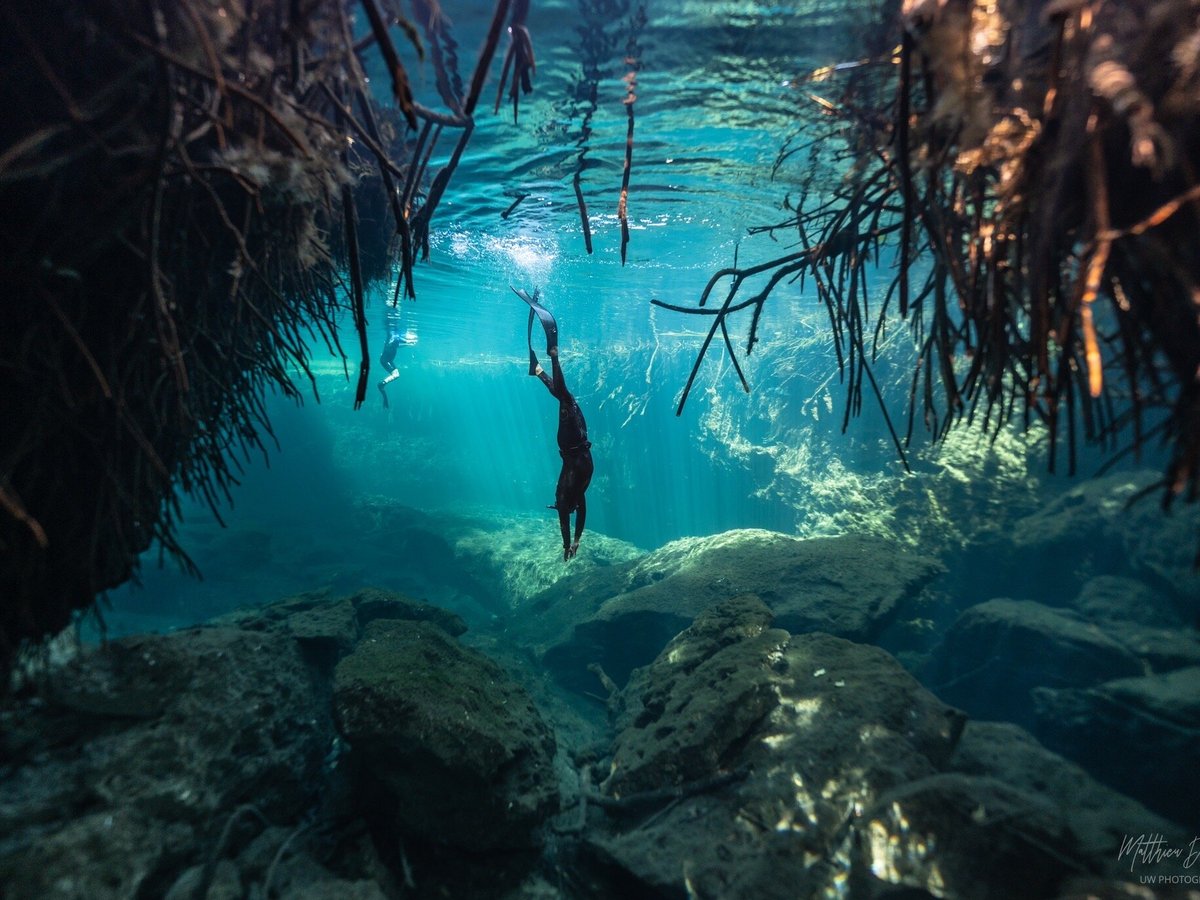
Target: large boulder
[(1120, 600), (620, 617), (1140, 735), (704, 694), (753, 763), (998, 651), (1101, 819), (328, 627), (760, 750), (133, 757), (457, 743), (1103, 526), (955, 835), (1142, 620)]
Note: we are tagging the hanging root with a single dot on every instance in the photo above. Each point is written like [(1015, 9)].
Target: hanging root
[(177, 209), (519, 58), (1046, 170)]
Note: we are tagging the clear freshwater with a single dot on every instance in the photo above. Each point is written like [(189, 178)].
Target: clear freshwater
[(1043, 601), (468, 431), (718, 86)]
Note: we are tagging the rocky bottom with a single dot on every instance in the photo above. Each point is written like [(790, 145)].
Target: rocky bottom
[(356, 747)]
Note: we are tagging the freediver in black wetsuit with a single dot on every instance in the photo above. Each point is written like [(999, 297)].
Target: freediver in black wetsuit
[(390, 346), (573, 444)]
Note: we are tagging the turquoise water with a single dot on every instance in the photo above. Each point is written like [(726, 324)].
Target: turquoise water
[(469, 434), (1041, 606), (468, 431)]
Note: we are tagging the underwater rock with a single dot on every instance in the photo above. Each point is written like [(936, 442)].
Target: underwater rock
[(751, 763), (373, 603), (485, 565), (331, 626), (1099, 817), (1087, 888), (277, 864), (337, 889), (457, 743), (1103, 530), (108, 855), (1142, 620), (996, 652), (1112, 598), (135, 751), (769, 741), (1160, 649), (702, 696), (518, 557), (225, 883), (958, 835), (620, 617), (1139, 735)]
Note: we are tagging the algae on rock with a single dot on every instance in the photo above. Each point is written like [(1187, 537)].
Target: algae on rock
[(458, 745)]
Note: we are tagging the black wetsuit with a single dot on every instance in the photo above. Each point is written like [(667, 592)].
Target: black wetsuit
[(573, 444), (575, 450)]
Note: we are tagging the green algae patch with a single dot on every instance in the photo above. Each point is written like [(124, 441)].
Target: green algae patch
[(456, 742)]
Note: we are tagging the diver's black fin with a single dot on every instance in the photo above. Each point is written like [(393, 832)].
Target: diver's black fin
[(544, 316), (533, 360)]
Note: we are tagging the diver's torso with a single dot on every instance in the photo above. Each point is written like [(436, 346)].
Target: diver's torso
[(572, 429)]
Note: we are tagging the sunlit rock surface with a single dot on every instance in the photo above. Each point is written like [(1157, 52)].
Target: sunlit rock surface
[(620, 616), (752, 763), (778, 714), (458, 745), (691, 708), (484, 565)]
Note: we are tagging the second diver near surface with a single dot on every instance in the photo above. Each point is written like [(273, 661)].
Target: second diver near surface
[(573, 444), (391, 344)]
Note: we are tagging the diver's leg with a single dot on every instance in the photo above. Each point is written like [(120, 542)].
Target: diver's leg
[(563, 503), (533, 360), (580, 518), (386, 359), (535, 367), (558, 385), (564, 524), (581, 478)]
